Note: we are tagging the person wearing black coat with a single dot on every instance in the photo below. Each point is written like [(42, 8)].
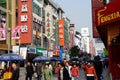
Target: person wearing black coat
[(64, 72), (15, 72), (98, 67), (29, 71)]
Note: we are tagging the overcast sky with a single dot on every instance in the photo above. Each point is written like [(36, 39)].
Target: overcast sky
[(78, 11)]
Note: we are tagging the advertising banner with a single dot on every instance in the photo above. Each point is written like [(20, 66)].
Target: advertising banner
[(61, 32), (85, 32), (23, 52), (15, 49), (25, 20), (2, 34), (2, 22), (41, 51), (50, 54), (16, 32), (32, 50), (2, 28)]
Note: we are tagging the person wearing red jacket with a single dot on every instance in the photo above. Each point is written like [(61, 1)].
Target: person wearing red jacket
[(75, 72), (90, 71), (57, 70)]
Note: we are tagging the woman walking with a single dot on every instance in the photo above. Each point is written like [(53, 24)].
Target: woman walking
[(47, 73)]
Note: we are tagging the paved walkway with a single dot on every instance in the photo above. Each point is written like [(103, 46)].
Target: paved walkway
[(82, 75)]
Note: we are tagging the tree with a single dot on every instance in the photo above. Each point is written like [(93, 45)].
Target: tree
[(74, 51)]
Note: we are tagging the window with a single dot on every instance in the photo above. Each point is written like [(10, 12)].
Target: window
[(40, 1), (36, 9)]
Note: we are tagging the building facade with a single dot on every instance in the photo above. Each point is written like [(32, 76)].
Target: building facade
[(108, 22), (38, 22)]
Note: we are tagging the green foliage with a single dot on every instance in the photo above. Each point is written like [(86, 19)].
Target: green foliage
[(74, 51)]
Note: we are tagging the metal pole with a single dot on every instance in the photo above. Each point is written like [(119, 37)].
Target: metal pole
[(8, 30), (61, 51)]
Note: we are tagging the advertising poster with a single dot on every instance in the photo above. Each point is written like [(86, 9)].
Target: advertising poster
[(16, 32), (2, 28), (2, 22), (2, 34), (23, 52), (15, 49)]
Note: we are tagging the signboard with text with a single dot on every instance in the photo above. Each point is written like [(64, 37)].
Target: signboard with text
[(25, 20), (41, 51), (108, 14), (61, 32)]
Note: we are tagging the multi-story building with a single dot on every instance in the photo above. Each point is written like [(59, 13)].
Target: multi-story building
[(8, 20), (52, 14), (38, 22)]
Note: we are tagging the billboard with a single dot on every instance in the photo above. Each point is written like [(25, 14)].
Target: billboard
[(16, 49), (2, 34), (25, 20), (16, 32), (61, 32), (23, 52), (85, 32), (108, 13), (95, 5), (2, 28)]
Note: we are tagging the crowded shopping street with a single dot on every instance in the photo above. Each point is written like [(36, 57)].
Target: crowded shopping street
[(59, 39)]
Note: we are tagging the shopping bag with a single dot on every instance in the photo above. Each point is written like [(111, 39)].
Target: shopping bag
[(7, 75)]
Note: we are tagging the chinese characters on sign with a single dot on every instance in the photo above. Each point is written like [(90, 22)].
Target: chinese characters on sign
[(24, 16), (61, 32)]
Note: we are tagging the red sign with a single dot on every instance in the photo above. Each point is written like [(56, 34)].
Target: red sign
[(61, 32), (108, 14), (25, 20), (95, 4)]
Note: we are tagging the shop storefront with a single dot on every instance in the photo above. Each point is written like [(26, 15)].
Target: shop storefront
[(108, 26)]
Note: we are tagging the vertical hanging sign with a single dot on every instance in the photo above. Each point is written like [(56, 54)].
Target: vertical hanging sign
[(25, 20), (61, 32)]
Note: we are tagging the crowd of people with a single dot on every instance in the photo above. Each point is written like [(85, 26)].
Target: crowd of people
[(65, 70)]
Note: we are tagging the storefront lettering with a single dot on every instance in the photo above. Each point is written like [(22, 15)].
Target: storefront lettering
[(109, 17)]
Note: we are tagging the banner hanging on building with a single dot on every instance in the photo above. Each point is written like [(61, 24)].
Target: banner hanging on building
[(2, 34), (16, 32), (61, 32), (15, 49), (25, 20), (23, 52), (2, 28)]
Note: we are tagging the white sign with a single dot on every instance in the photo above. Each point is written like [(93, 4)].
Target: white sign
[(15, 49), (24, 18), (84, 32), (24, 28), (23, 52), (24, 8)]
